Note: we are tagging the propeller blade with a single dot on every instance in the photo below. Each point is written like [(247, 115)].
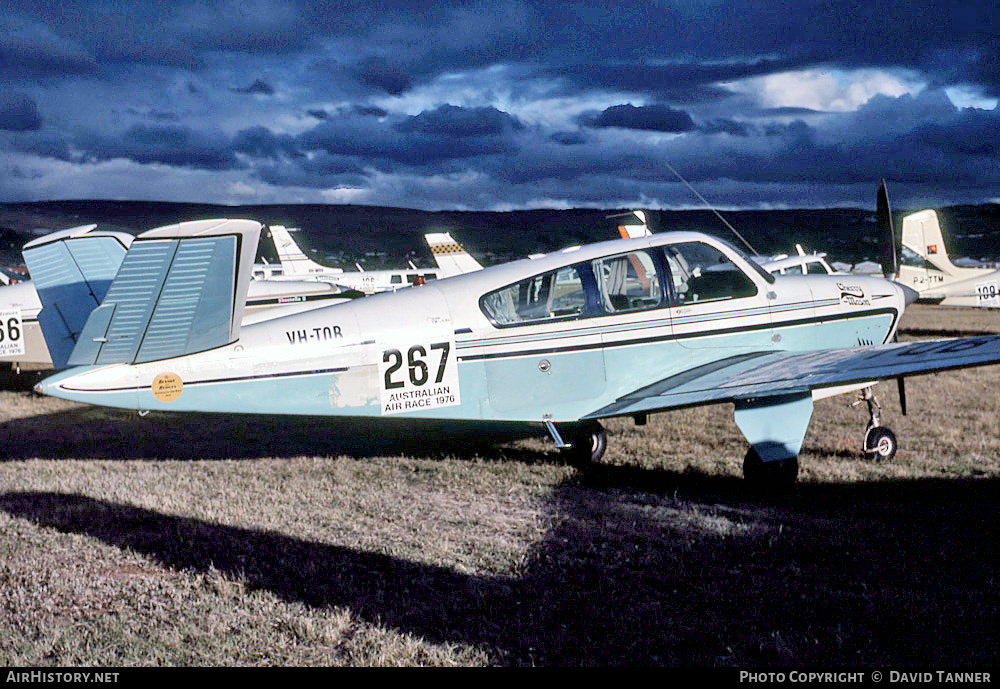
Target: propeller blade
[(902, 394), (888, 258)]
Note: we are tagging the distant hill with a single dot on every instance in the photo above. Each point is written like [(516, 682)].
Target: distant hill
[(381, 236)]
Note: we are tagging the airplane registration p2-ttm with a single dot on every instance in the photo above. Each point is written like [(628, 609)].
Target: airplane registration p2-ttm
[(621, 328)]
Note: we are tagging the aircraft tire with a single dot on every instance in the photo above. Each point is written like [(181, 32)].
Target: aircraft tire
[(589, 441), (880, 444), (779, 475)]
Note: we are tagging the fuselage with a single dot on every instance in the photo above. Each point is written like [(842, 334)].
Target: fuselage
[(958, 287), (553, 337)]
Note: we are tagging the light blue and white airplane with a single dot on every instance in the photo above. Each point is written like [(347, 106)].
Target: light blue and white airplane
[(626, 327)]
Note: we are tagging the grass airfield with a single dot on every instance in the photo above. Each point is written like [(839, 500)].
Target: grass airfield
[(216, 540)]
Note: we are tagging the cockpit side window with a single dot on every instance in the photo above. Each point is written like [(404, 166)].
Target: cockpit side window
[(703, 273), (627, 282), (556, 295)]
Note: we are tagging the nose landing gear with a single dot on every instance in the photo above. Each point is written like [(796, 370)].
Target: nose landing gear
[(880, 442)]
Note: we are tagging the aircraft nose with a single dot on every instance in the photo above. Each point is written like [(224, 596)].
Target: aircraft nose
[(909, 295)]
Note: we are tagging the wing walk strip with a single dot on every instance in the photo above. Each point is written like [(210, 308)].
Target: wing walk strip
[(665, 338)]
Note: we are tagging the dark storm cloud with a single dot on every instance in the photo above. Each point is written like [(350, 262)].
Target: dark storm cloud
[(261, 142), (727, 126), (568, 138), (446, 133), (657, 118), (704, 42), (515, 74), (369, 111), (379, 73), (258, 87), (32, 50), (348, 111), (922, 143), (320, 171), (454, 121), (790, 111), (679, 82), (176, 34), (18, 113), (167, 145)]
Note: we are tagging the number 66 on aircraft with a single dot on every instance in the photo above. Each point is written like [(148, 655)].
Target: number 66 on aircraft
[(621, 328)]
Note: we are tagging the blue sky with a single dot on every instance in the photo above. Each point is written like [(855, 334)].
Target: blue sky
[(500, 104)]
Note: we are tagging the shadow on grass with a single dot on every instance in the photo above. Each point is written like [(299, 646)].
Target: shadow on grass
[(894, 573), (95, 433)]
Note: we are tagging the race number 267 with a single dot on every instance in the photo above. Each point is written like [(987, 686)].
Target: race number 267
[(419, 363)]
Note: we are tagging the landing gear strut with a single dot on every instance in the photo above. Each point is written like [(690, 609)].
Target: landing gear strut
[(880, 442), (581, 444)]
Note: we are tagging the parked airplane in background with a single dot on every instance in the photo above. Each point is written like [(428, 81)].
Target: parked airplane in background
[(920, 261), (71, 271), (94, 254), (295, 265), (800, 264), (449, 255), (621, 328), (629, 229), (782, 264)]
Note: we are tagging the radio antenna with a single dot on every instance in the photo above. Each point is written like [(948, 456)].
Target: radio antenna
[(709, 207)]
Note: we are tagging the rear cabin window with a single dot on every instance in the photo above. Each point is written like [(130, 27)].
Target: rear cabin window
[(627, 282), (816, 268), (703, 273), (550, 296)]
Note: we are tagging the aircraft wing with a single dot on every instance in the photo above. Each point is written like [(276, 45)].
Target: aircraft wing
[(764, 374)]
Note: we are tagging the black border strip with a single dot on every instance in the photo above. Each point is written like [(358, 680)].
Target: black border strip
[(687, 336)]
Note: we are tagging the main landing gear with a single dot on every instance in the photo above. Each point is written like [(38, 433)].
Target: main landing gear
[(582, 444), (880, 442)]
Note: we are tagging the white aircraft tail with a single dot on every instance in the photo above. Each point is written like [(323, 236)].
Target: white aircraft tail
[(922, 235), (633, 231), (293, 261), (451, 258), (72, 271), (181, 289)]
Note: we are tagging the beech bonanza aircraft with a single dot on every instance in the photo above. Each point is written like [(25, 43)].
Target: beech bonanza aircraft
[(620, 328), (920, 261)]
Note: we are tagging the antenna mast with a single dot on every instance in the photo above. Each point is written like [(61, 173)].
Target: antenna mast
[(709, 207)]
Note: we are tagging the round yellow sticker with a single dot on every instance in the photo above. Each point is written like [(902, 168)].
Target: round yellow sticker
[(167, 387)]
